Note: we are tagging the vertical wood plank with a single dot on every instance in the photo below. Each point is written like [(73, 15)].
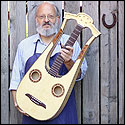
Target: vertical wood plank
[(91, 80), (108, 65), (59, 5), (31, 16), (15, 115), (69, 7), (17, 26), (4, 64), (121, 60), (17, 33), (74, 7)]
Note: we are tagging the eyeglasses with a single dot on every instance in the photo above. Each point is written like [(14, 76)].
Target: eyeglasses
[(49, 17)]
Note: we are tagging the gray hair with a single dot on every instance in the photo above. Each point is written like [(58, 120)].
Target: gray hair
[(52, 3)]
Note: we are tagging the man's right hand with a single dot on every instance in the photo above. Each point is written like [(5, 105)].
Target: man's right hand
[(15, 103)]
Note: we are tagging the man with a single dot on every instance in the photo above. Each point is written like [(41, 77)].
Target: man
[(47, 21)]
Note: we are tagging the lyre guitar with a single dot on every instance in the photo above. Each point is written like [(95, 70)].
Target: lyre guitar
[(42, 93)]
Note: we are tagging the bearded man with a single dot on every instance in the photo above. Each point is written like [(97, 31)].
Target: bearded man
[(47, 21)]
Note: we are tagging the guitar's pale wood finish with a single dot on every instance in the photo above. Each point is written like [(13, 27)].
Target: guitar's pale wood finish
[(52, 100)]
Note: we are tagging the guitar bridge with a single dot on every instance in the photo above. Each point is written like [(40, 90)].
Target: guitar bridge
[(35, 100)]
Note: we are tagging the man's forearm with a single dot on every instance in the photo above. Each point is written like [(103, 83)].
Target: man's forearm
[(14, 96), (69, 65)]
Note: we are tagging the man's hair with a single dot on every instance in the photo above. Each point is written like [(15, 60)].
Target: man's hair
[(52, 3)]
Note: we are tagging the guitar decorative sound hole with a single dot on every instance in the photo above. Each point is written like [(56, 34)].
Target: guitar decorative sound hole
[(58, 90), (35, 75)]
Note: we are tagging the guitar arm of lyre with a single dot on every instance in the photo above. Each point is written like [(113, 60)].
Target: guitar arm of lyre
[(87, 22), (77, 65), (95, 32), (84, 50), (70, 16)]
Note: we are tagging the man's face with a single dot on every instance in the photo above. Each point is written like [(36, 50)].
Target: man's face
[(46, 20)]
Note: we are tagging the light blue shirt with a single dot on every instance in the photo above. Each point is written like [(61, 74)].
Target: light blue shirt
[(26, 49)]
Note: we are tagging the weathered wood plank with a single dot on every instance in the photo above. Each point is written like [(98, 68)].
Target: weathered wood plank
[(108, 64), (17, 26), (69, 7), (31, 17), (4, 64), (121, 61), (91, 80), (59, 5), (15, 115), (17, 33)]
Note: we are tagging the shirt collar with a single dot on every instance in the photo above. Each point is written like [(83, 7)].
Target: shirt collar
[(37, 37)]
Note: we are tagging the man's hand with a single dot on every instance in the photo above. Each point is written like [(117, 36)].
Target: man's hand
[(15, 103), (66, 53), (20, 110)]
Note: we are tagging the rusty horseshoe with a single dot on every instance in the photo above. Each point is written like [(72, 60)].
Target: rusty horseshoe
[(106, 25)]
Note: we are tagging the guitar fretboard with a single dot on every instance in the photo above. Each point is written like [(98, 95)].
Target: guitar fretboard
[(59, 60)]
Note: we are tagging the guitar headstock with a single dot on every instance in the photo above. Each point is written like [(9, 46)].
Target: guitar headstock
[(83, 19)]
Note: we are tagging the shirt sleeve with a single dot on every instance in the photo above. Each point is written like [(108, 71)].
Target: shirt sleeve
[(17, 71), (76, 52)]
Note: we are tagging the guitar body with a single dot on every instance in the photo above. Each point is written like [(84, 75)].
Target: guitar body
[(40, 94)]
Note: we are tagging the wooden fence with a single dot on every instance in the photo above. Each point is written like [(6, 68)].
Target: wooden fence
[(100, 95)]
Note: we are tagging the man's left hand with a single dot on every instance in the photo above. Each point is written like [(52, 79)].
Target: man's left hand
[(66, 53)]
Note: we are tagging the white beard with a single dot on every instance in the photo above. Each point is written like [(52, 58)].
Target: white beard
[(47, 32)]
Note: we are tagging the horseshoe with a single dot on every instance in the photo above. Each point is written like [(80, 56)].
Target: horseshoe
[(106, 25)]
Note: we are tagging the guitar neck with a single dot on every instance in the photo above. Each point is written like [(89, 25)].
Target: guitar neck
[(74, 36), (70, 42)]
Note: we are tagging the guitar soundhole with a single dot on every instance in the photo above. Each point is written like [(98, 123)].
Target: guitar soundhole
[(58, 90), (35, 75)]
